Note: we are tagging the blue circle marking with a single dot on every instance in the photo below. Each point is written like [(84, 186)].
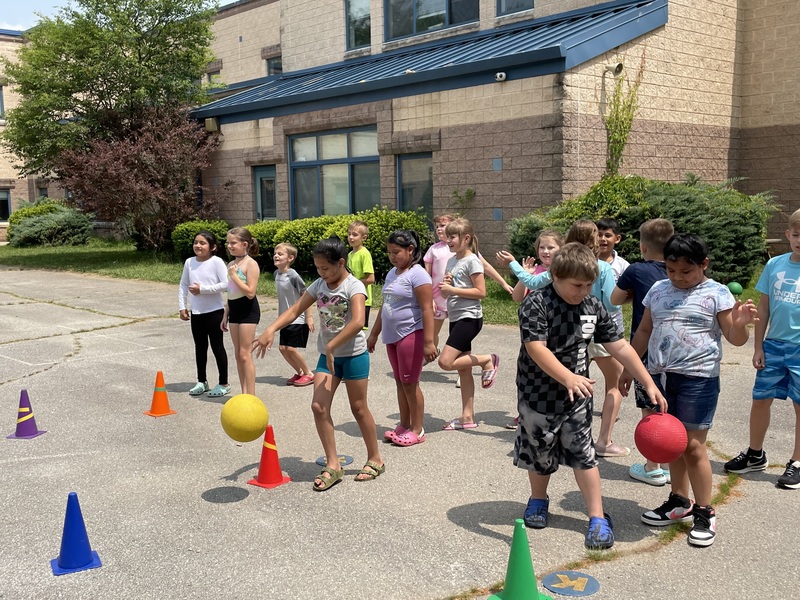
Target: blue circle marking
[(344, 460), (571, 583)]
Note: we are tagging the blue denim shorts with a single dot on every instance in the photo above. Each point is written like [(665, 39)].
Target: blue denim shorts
[(692, 400), (780, 377), (346, 367)]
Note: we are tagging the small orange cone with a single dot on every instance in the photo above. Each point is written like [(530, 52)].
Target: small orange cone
[(160, 405), (269, 471)]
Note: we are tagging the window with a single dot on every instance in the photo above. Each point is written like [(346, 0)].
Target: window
[(334, 173), (274, 65), (358, 23), (2, 106), (213, 77), (5, 204), (412, 17), (415, 183), (41, 192), (506, 7)]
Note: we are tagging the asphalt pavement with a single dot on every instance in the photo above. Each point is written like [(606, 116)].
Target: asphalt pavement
[(168, 509)]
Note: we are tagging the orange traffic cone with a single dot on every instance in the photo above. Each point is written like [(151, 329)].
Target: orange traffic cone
[(269, 471), (160, 404)]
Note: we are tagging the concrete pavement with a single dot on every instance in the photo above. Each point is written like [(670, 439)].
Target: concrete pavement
[(168, 509)]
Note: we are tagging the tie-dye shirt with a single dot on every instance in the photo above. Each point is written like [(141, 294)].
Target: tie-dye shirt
[(334, 313)]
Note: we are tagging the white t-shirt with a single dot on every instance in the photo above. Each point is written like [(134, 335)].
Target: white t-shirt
[(462, 269)]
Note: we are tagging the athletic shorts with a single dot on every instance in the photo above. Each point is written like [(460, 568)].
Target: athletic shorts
[(462, 332), (545, 441), (780, 377), (346, 368), (244, 310), (295, 336), (406, 357), (597, 351), (692, 400)]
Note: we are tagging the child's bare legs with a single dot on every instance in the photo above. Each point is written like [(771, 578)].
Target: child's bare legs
[(412, 405), (539, 485), (796, 453), (243, 335), (589, 483), (325, 386), (693, 467), (437, 327), (454, 360), (292, 356), (611, 370), (759, 422), (357, 395)]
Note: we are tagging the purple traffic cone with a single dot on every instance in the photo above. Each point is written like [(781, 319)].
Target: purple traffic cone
[(76, 553), (26, 424)]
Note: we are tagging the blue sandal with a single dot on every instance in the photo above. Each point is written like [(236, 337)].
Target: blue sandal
[(200, 388), (220, 391)]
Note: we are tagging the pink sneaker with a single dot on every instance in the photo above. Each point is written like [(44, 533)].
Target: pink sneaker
[(303, 380), (388, 436), (292, 379)]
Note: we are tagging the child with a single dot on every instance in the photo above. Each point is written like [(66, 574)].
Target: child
[(632, 286), (204, 276), (405, 324), (343, 355), (774, 357), (464, 287), (546, 245), (289, 286), (608, 236), (359, 261), (554, 392), (684, 318), (436, 262), (242, 312)]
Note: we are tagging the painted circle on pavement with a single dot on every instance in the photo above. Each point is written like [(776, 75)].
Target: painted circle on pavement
[(571, 583)]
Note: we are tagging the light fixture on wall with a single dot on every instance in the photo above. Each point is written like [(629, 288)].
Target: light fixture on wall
[(212, 124), (615, 70), (500, 76)]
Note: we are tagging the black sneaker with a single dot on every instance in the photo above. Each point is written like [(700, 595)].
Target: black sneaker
[(746, 463), (677, 509), (791, 476), (704, 529)]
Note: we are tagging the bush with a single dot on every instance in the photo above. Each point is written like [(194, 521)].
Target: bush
[(304, 235), (64, 227), (733, 224), (41, 206), (264, 232), (183, 236)]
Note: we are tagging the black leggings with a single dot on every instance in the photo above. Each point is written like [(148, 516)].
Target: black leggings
[(205, 328)]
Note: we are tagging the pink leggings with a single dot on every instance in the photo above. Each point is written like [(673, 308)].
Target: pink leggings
[(406, 357)]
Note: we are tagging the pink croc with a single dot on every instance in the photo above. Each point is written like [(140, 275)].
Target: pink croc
[(388, 436), (409, 438)]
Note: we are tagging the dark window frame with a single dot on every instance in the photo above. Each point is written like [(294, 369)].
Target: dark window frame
[(512, 11), (448, 18), (400, 197), (350, 32)]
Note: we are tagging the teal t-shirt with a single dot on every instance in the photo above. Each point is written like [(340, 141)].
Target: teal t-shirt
[(360, 263), (780, 280)]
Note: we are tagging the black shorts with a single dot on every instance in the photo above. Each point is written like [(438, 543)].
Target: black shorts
[(244, 310), (295, 335), (462, 332)]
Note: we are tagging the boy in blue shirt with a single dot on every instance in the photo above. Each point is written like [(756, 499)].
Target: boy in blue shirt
[(776, 358)]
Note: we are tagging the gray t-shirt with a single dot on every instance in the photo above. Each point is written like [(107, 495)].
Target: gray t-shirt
[(462, 269), (334, 313), (289, 286)]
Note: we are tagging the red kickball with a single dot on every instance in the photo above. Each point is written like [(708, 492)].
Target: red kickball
[(661, 438)]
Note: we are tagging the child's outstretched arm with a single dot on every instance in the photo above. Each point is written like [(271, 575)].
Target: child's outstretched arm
[(489, 270), (639, 345), (576, 385), (263, 343), (532, 282), (734, 322), (620, 296), (628, 358)]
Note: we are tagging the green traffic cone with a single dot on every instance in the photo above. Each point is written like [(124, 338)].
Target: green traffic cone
[(520, 581)]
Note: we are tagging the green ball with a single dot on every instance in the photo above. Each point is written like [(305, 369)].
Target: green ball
[(735, 288)]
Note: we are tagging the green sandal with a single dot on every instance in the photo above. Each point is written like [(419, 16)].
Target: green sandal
[(333, 478), (200, 388), (372, 470), (220, 391)]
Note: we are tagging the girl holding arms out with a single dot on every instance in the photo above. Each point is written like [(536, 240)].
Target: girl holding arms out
[(464, 287), (342, 345), (546, 245), (205, 277), (242, 313), (405, 324)]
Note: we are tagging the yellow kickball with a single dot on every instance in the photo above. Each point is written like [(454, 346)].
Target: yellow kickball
[(244, 418)]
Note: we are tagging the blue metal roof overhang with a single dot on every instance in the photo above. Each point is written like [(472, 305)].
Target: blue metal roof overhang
[(534, 48)]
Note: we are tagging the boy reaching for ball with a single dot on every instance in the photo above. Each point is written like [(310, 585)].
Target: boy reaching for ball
[(681, 329), (554, 392)]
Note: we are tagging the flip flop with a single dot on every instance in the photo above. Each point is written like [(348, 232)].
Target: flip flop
[(456, 425), (372, 470), (488, 377), (328, 482)]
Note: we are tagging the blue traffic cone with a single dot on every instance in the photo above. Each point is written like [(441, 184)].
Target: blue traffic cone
[(76, 553)]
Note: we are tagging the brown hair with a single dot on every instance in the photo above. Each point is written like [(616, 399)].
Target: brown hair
[(462, 227), (290, 250), (584, 232), (794, 220), (244, 236), (575, 261), (551, 233), (446, 218), (655, 233)]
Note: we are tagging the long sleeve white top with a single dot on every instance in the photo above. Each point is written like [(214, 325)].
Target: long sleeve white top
[(212, 275)]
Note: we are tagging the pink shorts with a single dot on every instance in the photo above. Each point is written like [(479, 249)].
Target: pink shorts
[(406, 357)]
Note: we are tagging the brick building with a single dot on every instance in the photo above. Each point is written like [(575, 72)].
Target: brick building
[(406, 103)]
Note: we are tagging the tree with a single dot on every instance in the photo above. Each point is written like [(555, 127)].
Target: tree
[(148, 180), (95, 72)]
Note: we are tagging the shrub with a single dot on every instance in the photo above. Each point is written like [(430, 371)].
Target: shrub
[(183, 236), (304, 235), (41, 206), (733, 224), (64, 227), (264, 232)]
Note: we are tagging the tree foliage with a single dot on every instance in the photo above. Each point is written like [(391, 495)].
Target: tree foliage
[(96, 71)]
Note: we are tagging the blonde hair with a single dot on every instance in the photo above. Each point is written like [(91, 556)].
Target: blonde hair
[(584, 232), (446, 218), (575, 261), (794, 220), (545, 233), (462, 227), (244, 236), (655, 233), (361, 226), (290, 250)]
